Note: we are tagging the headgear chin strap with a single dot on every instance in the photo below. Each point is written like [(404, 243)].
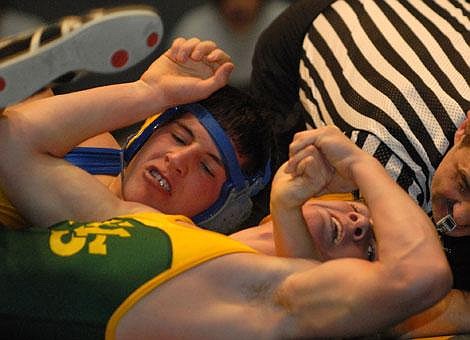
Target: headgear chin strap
[(234, 204)]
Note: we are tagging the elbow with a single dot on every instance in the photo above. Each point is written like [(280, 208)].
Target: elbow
[(12, 130), (442, 282), (438, 278), (427, 285), (14, 139)]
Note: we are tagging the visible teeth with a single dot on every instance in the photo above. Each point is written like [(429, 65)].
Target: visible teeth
[(336, 231), (163, 183)]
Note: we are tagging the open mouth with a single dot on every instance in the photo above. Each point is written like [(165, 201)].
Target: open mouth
[(162, 182)]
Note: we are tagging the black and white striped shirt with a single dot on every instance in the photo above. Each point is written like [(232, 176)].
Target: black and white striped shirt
[(395, 76)]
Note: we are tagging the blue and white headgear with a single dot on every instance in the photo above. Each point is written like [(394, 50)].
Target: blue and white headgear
[(234, 204)]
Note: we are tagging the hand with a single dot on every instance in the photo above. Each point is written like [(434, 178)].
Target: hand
[(326, 156), (292, 191), (189, 71)]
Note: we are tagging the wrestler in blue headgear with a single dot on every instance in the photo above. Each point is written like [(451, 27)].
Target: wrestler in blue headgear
[(231, 118), (234, 203)]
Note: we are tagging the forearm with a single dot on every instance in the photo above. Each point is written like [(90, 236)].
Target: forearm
[(410, 273), (408, 245), (290, 232), (291, 237), (399, 223), (47, 189), (34, 136), (54, 125)]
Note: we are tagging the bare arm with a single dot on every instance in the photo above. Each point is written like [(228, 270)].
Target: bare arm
[(307, 174), (253, 296), (34, 136), (411, 272), (58, 123)]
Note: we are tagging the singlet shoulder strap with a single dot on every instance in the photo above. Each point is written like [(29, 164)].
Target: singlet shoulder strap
[(96, 161)]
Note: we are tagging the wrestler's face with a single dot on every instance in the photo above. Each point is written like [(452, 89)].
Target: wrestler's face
[(340, 229), (178, 170), (450, 190)]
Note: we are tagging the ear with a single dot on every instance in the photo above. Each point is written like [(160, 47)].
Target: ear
[(461, 130)]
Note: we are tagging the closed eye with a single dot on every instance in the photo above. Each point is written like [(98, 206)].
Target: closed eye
[(207, 169), (182, 133), (178, 139)]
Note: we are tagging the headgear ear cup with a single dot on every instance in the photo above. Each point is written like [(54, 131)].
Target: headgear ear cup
[(237, 205), (236, 209)]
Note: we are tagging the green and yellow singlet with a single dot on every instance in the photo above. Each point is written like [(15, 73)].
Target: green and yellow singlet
[(76, 280)]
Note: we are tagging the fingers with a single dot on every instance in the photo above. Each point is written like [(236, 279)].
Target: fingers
[(307, 144), (202, 49), (206, 51), (309, 151), (172, 52), (222, 74), (309, 163), (218, 56), (182, 48), (305, 166), (315, 137), (219, 79), (301, 141)]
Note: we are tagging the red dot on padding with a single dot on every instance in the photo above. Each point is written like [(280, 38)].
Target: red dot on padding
[(119, 58), (152, 39), (3, 84)]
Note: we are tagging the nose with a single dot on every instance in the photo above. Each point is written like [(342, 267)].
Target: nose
[(359, 225), (179, 160)]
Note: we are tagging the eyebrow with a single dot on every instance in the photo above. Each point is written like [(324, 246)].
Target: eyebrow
[(190, 132)]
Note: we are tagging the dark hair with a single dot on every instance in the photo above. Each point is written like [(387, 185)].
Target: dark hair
[(246, 122)]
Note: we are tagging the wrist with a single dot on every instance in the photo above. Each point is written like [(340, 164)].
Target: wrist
[(152, 96), (363, 167), (283, 204)]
